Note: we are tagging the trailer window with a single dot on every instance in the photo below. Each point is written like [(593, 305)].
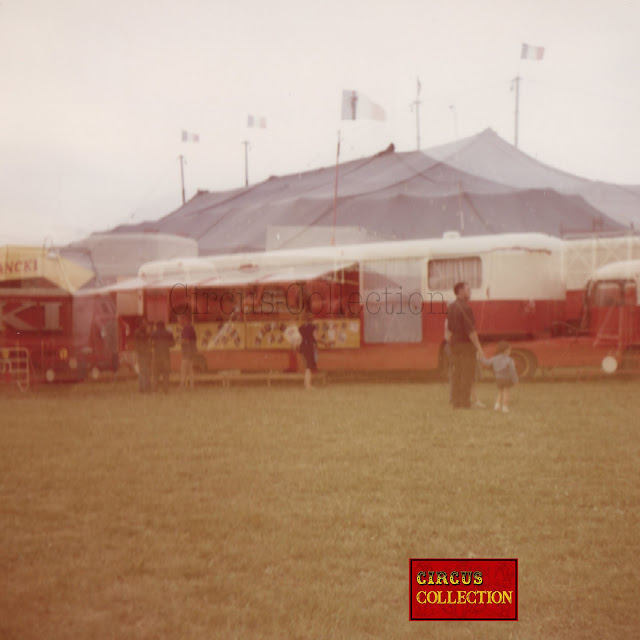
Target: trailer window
[(443, 274)]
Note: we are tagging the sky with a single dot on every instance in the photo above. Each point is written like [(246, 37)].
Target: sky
[(95, 95)]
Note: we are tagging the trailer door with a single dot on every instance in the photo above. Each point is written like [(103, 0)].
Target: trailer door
[(392, 301), (607, 311)]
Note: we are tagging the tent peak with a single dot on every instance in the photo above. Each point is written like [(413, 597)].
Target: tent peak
[(390, 149)]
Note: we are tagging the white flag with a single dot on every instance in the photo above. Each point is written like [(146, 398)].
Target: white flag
[(356, 105), (257, 121), (190, 137), (530, 52)]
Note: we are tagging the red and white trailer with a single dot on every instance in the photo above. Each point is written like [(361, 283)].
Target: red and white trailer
[(378, 306)]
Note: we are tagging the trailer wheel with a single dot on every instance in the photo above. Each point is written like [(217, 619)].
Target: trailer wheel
[(525, 362)]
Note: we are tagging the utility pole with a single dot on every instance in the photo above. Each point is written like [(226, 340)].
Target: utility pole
[(182, 162), (246, 162), (516, 82), (335, 194), (416, 103)]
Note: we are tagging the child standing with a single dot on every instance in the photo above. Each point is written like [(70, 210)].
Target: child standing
[(505, 372)]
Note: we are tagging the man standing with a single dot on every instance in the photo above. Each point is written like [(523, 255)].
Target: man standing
[(188, 341), (162, 340), (464, 344), (142, 346)]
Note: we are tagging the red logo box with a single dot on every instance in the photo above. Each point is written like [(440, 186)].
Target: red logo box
[(456, 589)]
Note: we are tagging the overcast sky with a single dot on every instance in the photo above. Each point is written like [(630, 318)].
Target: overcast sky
[(95, 94)]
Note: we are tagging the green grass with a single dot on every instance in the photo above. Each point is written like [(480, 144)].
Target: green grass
[(277, 513)]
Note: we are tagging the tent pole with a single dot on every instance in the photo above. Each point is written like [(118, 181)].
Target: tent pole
[(335, 194), (246, 162), (181, 158), (416, 103), (516, 80)]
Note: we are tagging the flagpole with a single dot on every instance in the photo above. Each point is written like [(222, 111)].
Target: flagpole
[(516, 80), (417, 104), (181, 158), (246, 162), (335, 194), (527, 52)]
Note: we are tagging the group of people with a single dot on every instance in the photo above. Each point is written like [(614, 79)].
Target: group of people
[(465, 352), (153, 342), (466, 355), (152, 345)]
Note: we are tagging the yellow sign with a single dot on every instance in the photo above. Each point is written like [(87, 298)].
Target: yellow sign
[(269, 335), (215, 336), (26, 263), (331, 334), (338, 334), (272, 334)]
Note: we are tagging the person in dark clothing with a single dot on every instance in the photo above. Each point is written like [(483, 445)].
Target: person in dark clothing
[(464, 345), (162, 340), (188, 341), (142, 347), (308, 348)]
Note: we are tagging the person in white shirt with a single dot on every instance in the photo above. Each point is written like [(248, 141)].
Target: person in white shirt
[(505, 373)]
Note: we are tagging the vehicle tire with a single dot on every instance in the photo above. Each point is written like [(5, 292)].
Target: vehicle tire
[(525, 362)]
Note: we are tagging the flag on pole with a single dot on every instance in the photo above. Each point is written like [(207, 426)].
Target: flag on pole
[(356, 105), (529, 52), (190, 137), (257, 121)]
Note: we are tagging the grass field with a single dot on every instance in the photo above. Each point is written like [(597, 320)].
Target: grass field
[(278, 513)]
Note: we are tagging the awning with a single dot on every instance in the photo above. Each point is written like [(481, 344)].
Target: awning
[(240, 276), (254, 274)]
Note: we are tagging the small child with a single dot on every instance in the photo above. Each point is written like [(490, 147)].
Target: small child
[(505, 372)]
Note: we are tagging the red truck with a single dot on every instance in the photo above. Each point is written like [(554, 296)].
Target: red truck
[(51, 329)]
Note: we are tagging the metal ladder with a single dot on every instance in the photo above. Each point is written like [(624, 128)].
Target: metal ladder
[(14, 367)]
